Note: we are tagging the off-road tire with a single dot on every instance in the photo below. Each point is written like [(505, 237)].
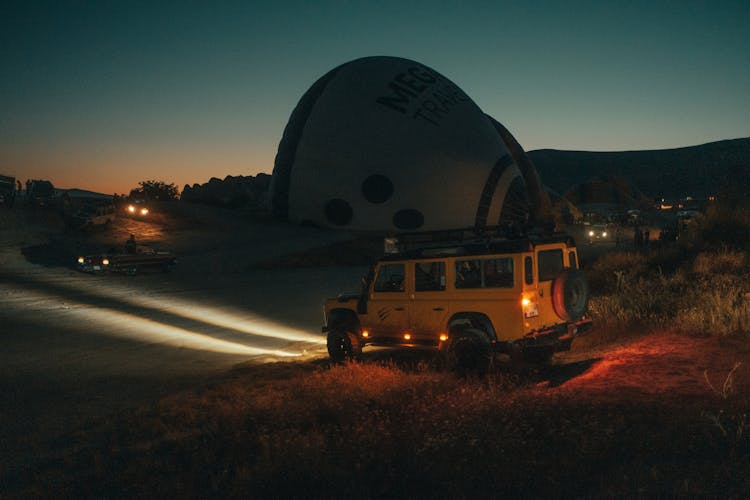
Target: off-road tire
[(469, 352), (343, 346), (570, 295)]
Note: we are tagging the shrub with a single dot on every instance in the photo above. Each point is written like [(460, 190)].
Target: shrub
[(722, 262), (702, 295), (721, 226), (605, 274), (715, 305)]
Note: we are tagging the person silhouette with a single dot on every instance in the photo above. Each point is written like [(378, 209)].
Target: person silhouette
[(130, 245)]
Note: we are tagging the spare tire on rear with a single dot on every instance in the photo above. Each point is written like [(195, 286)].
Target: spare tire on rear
[(570, 295)]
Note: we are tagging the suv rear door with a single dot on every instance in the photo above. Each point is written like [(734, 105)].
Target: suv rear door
[(550, 262)]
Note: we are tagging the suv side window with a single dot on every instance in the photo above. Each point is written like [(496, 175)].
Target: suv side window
[(498, 273), (390, 278), (528, 270), (429, 276), (468, 274), (485, 273), (550, 264)]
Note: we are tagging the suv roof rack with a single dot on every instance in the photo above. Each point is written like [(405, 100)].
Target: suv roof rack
[(468, 241)]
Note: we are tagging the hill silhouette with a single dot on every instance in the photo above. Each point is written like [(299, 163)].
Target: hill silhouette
[(697, 171)]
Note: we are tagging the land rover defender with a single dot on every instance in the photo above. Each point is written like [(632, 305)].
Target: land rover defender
[(525, 297)]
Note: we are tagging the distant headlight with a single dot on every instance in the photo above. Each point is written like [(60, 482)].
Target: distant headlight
[(81, 260), (105, 262), (591, 233), (131, 209), (604, 234), (144, 211)]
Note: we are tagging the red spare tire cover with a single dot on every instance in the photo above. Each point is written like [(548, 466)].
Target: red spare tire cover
[(570, 295)]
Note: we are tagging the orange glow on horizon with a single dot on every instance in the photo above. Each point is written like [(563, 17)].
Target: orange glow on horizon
[(117, 171)]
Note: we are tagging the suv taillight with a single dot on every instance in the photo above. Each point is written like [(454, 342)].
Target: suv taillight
[(530, 306)]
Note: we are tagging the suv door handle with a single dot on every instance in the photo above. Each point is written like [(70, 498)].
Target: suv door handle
[(398, 308), (438, 309)]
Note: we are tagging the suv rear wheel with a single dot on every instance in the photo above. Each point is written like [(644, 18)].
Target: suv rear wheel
[(469, 352)]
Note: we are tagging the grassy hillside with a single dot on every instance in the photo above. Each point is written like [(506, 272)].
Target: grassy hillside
[(696, 171)]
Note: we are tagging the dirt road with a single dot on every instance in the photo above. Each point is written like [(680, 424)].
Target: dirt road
[(79, 347)]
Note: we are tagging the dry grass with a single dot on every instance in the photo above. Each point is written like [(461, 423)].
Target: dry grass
[(704, 294), (384, 430), (395, 429)]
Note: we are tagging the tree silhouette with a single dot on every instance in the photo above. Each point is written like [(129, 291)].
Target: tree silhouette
[(155, 190)]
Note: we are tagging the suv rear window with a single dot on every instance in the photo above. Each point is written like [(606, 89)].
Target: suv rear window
[(550, 264)]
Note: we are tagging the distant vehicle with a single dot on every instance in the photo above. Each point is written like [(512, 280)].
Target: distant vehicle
[(688, 214), (137, 208), (686, 218), (7, 190), (41, 193), (118, 261), (598, 234)]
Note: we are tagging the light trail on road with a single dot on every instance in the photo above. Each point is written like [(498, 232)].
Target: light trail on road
[(108, 321), (250, 323)]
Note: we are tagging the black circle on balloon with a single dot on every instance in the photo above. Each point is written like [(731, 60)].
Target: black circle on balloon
[(408, 218), (377, 188), (338, 212)]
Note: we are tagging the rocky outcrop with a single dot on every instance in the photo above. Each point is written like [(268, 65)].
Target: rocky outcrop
[(233, 192)]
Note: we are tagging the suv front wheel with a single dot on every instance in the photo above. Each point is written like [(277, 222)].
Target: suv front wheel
[(343, 345)]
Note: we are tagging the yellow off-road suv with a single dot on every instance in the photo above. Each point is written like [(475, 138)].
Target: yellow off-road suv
[(524, 297)]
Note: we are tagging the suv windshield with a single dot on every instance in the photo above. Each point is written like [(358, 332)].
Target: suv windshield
[(390, 278)]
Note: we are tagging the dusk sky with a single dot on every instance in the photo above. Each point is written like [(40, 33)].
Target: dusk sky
[(102, 94)]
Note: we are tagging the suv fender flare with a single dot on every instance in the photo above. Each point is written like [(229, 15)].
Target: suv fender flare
[(570, 295), (343, 318)]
